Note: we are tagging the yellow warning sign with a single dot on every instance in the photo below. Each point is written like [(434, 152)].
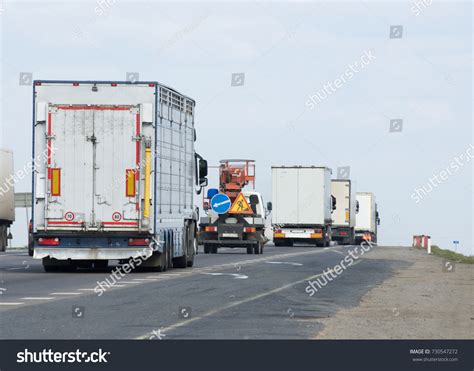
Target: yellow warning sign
[(240, 206)]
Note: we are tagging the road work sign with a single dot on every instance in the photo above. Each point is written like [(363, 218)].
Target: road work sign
[(220, 203), (240, 206)]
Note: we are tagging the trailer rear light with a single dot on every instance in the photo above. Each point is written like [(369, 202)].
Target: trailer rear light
[(151, 85), (318, 231), (55, 182), (138, 242), (367, 237), (48, 241), (210, 229), (113, 84), (130, 190), (37, 83), (75, 84), (343, 233), (277, 231), (250, 229), (279, 235)]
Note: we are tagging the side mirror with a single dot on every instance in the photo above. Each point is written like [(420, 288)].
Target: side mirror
[(10, 236), (334, 203), (254, 200), (195, 136), (357, 207), (205, 206), (202, 168), (269, 206)]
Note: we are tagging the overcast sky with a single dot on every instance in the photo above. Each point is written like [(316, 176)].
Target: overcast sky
[(288, 53)]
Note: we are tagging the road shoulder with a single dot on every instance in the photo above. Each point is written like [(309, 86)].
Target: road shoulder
[(421, 301)]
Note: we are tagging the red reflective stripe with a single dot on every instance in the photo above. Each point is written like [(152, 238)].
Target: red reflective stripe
[(63, 222), (98, 108), (120, 223)]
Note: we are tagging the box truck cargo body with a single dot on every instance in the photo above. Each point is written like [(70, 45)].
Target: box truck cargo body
[(344, 214), (367, 219), (116, 175), (302, 205), (7, 196)]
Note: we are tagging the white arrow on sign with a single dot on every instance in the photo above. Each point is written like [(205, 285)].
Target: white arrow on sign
[(217, 204)]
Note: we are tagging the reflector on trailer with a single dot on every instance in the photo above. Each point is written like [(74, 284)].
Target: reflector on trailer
[(48, 241), (130, 183), (55, 182)]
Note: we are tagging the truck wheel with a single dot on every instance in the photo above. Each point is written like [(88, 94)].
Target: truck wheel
[(207, 248), (101, 264), (214, 250), (195, 247), (258, 249), (50, 268), (249, 250)]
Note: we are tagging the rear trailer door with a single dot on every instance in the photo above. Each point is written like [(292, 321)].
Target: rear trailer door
[(93, 167)]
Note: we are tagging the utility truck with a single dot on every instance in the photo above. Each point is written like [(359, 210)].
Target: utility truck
[(7, 197), (344, 215), (116, 175), (367, 219), (234, 217), (302, 205)]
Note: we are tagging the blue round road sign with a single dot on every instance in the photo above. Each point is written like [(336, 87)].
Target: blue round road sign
[(220, 203)]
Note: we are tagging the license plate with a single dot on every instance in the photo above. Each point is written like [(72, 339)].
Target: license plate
[(317, 235), (235, 235)]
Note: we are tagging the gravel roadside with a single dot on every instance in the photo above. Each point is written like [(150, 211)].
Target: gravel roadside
[(426, 300)]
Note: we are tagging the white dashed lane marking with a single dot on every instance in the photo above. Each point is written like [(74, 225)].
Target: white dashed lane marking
[(12, 303), (65, 293), (38, 298)]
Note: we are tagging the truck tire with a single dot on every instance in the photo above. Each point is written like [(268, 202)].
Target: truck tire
[(214, 250), (258, 249), (207, 248), (190, 262), (101, 264), (182, 261), (50, 268), (250, 250)]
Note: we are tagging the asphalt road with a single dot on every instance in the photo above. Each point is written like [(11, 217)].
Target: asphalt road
[(229, 295)]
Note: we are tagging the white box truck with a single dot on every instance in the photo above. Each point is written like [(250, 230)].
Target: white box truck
[(7, 196), (115, 174), (367, 219), (301, 205), (344, 214)]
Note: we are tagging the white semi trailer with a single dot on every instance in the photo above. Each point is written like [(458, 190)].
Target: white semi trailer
[(367, 219), (116, 176), (344, 215), (301, 205), (7, 196)]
